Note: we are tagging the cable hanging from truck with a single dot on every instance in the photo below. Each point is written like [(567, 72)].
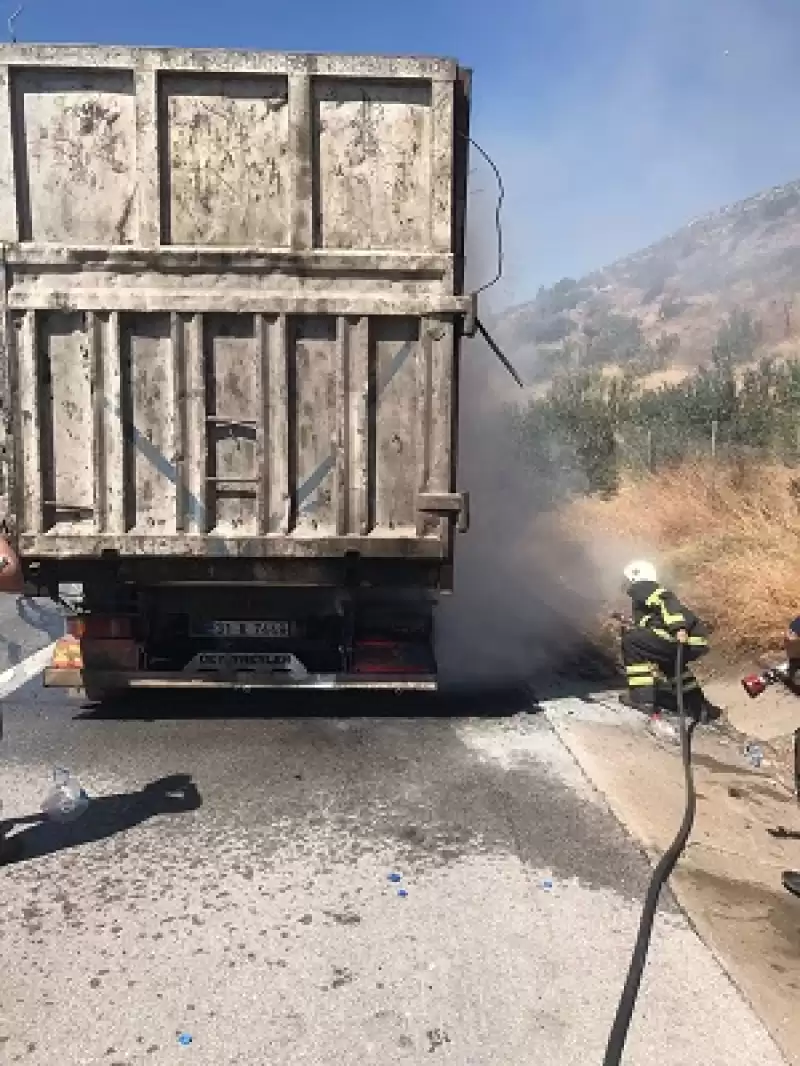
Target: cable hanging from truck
[(479, 327), (12, 18), (498, 212)]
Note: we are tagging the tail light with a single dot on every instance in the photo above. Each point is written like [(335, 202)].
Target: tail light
[(99, 627), (754, 685), (67, 654), (381, 656)]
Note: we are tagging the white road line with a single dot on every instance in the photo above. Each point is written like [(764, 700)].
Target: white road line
[(22, 673)]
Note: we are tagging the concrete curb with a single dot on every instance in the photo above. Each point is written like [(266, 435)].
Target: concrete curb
[(677, 891)]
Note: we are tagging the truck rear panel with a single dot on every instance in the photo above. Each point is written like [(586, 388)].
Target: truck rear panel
[(249, 637), (230, 307)]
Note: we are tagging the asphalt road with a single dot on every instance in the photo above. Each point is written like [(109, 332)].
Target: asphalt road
[(26, 626), (230, 881)]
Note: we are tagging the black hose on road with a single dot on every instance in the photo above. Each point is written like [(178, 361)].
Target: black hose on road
[(627, 1003)]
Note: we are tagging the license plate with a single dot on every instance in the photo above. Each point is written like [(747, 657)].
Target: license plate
[(271, 630)]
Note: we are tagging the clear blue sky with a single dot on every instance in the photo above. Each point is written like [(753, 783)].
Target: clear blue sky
[(613, 121)]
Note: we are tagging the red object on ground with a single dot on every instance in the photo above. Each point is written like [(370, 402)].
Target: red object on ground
[(10, 570), (754, 685)]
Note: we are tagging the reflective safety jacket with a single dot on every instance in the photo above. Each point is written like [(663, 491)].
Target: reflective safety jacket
[(658, 609)]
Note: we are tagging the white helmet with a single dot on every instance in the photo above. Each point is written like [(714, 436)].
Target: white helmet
[(640, 570)]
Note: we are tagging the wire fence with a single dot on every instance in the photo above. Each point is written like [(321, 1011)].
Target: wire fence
[(598, 458), (598, 428), (650, 449)]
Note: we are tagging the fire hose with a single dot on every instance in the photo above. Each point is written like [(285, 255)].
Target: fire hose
[(630, 992)]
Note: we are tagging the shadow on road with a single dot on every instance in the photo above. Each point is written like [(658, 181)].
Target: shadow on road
[(33, 615), (472, 702), (781, 833), (42, 615), (581, 675), (580, 672), (105, 817)]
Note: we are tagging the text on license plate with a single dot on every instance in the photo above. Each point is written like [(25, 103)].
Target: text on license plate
[(248, 629)]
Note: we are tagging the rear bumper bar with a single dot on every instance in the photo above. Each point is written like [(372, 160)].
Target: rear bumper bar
[(119, 681)]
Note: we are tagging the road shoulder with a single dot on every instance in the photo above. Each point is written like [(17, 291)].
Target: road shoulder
[(728, 882)]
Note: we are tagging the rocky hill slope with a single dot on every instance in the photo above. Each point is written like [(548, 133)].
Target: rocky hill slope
[(659, 311)]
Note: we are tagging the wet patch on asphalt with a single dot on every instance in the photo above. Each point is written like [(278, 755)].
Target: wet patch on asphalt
[(278, 880), (333, 790)]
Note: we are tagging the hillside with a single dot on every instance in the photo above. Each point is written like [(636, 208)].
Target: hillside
[(659, 311)]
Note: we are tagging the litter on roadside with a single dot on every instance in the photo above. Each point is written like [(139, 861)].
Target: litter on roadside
[(754, 754), (67, 800), (662, 729)]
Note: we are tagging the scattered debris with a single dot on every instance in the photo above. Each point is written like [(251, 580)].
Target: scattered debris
[(341, 977), (782, 833), (662, 729), (754, 754), (437, 1038), (345, 918)]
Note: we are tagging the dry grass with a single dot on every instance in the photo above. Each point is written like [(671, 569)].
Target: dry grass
[(727, 538)]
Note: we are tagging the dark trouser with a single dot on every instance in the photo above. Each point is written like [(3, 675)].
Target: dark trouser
[(650, 662)]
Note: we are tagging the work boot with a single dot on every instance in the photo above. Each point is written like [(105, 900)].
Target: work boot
[(700, 710), (627, 700), (791, 882), (710, 713)]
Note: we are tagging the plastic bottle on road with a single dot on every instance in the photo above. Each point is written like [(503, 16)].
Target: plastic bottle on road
[(66, 801), (754, 754)]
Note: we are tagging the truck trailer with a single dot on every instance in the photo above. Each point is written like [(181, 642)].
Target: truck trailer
[(231, 308)]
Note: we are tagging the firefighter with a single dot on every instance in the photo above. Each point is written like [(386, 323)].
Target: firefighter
[(659, 623), (10, 582)]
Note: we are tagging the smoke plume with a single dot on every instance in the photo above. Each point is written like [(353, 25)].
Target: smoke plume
[(526, 598)]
